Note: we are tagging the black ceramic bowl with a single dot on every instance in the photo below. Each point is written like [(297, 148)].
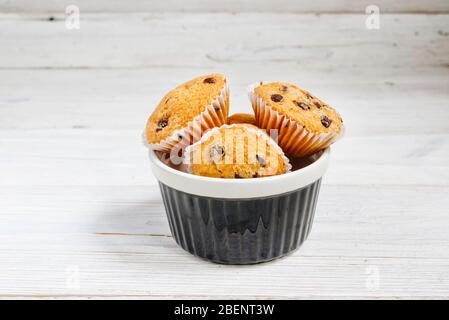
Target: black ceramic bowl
[(240, 221)]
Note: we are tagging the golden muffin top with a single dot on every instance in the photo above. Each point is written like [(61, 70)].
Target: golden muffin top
[(300, 106), (182, 104), (236, 151)]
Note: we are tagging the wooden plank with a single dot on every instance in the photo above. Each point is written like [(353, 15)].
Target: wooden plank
[(274, 41), (108, 211), (280, 6), (301, 278), (117, 157), (123, 99), (104, 234)]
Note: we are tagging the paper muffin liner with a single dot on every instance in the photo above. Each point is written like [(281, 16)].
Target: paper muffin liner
[(258, 132), (214, 115), (293, 138)]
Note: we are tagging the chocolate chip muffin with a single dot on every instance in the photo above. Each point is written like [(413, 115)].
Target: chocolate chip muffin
[(305, 123), (186, 112), (242, 118), (236, 151)]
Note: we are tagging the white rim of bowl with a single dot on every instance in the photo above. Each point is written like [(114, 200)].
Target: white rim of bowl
[(239, 188)]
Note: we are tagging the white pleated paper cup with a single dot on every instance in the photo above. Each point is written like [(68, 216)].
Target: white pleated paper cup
[(215, 115), (293, 138)]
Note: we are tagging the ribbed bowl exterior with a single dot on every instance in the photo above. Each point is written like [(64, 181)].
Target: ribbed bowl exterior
[(240, 231)]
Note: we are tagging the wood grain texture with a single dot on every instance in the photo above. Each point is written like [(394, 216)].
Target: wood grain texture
[(80, 212), (230, 6), (120, 241), (204, 41)]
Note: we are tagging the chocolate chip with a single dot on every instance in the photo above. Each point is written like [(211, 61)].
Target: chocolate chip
[(325, 121), (236, 176), (216, 153), (209, 80), (276, 97), (261, 160), (255, 175), (162, 124), (302, 105), (318, 105), (284, 88)]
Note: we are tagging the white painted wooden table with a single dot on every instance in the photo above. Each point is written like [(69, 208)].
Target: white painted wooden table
[(80, 211)]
